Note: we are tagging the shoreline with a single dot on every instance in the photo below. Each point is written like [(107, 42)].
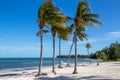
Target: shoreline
[(36, 67), (106, 70)]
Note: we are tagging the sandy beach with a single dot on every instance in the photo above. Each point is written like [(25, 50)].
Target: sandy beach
[(106, 70)]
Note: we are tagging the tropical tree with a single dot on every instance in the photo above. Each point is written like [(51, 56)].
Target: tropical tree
[(57, 22), (62, 35), (45, 12), (100, 55), (88, 46), (83, 18), (50, 14)]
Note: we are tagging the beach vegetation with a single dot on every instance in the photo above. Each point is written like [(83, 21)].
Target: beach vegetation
[(84, 17), (88, 46), (112, 52)]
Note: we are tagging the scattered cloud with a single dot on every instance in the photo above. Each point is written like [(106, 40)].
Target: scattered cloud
[(33, 47), (105, 37), (114, 34), (88, 41)]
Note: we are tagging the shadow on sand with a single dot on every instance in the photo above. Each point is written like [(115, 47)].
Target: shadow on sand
[(9, 75), (71, 78)]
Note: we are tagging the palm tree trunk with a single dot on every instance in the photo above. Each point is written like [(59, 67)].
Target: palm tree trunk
[(69, 55), (88, 55), (75, 67), (53, 67), (41, 44), (59, 53), (97, 62)]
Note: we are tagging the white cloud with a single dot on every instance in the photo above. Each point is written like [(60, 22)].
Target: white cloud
[(88, 41), (114, 34), (35, 47), (105, 37)]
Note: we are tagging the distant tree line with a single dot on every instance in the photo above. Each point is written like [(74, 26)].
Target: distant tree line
[(73, 56), (111, 52)]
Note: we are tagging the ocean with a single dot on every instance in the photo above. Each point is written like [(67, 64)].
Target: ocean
[(18, 64)]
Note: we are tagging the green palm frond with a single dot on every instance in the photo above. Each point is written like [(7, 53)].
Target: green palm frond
[(93, 20), (81, 33), (43, 31), (83, 7), (84, 17), (63, 36), (58, 18), (82, 36), (90, 15), (46, 9), (88, 45)]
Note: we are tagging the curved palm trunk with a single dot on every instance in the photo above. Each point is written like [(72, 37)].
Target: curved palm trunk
[(88, 55), (53, 61), (69, 55), (75, 66), (60, 54), (41, 44)]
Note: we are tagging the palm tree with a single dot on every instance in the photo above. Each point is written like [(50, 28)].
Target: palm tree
[(57, 22), (63, 34), (54, 30), (50, 14), (100, 55), (44, 12), (88, 46), (84, 17)]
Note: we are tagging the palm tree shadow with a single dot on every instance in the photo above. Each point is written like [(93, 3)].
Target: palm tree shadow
[(72, 78), (55, 78), (9, 75), (91, 78)]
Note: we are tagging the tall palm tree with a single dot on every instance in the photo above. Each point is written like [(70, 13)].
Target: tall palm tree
[(44, 12), (88, 46), (63, 34), (54, 30), (49, 14), (57, 22), (84, 17)]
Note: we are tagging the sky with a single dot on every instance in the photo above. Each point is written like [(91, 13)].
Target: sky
[(18, 27)]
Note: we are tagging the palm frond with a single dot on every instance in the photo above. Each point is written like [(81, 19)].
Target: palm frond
[(83, 7), (45, 31), (90, 15), (42, 31), (88, 45), (95, 21)]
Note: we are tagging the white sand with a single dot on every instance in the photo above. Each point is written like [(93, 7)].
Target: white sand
[(106, 70)]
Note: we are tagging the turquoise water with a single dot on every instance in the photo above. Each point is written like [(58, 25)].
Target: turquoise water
[(16, 64)]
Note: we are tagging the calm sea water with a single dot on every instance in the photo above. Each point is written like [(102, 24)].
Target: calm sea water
[(16, 64)]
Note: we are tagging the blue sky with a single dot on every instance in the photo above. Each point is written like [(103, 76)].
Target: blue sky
[(18, 27)]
